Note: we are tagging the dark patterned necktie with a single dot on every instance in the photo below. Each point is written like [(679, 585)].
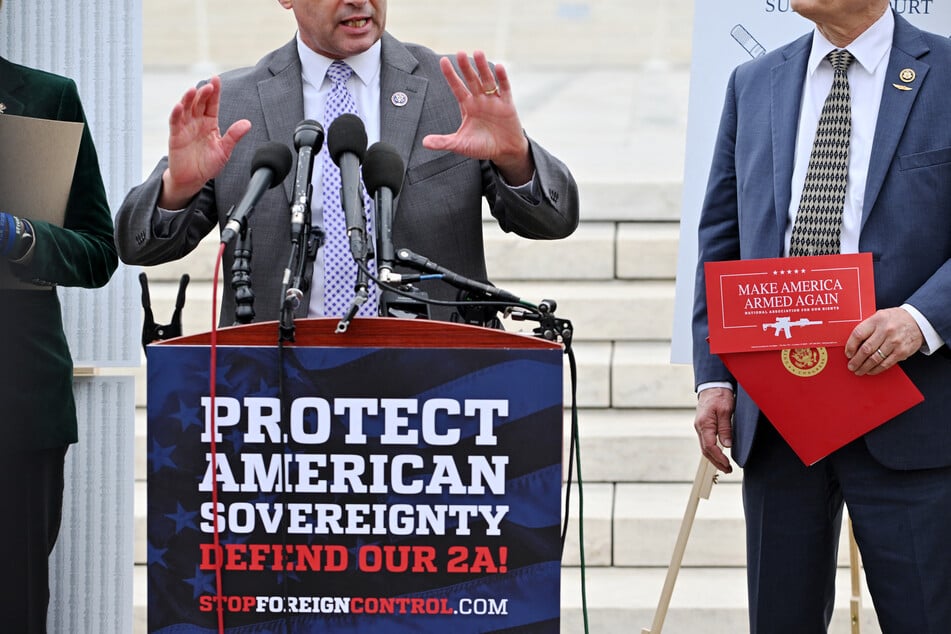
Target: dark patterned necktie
[(818, 222)]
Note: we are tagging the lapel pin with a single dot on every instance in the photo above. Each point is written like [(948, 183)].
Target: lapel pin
[(907, 75), (399, 99), (3, 107)]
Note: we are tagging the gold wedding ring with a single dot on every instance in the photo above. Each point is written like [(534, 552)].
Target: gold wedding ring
[(494, 91), (881, 354)]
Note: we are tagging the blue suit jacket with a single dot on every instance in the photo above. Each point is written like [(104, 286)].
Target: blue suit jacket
[(906, 218)]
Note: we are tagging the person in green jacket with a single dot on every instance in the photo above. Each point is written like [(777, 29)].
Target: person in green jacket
[(37, 410)]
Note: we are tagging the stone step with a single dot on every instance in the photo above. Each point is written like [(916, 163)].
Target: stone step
[(704, 600), (635, 445), (643, 376), (588, 254), (625, 524), (637, 525), (597, 250), (621, 375), (619, 310), (650, 446), (617, 445)]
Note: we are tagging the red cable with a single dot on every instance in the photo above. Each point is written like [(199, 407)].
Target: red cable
[(213, 371)]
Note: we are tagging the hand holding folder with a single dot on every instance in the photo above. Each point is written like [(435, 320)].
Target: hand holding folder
[(37, 162), (780, 326)]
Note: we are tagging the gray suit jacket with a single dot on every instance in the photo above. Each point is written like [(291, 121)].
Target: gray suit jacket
[(906, 218), (438, 212)]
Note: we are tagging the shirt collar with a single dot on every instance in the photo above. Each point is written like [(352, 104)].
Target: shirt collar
[(366, 65), (868, 49)]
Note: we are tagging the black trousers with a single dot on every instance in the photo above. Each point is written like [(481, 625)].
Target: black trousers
[(902, 522), (32, 486)]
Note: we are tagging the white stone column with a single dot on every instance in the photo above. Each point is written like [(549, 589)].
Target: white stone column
[(97, 43)]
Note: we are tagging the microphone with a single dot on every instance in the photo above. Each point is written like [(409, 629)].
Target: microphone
[(383, 176), (269, 167), (347, 144), (421, 263), (307, 136)]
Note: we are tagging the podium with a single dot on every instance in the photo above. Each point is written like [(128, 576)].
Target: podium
[(404, 476)]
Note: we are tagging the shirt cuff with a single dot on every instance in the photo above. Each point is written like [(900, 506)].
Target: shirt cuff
[(933, 340), (711, 384), (528, 191)]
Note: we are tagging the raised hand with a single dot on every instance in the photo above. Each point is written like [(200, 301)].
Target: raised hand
[(197, 151), (490, 128)]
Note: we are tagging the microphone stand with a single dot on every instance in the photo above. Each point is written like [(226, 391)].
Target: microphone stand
[(241, 279), (393, 304), (360, 287), (305, 242), (549, 327), (400, 306)]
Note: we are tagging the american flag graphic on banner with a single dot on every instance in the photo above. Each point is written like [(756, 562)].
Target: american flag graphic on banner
[(391, 490)]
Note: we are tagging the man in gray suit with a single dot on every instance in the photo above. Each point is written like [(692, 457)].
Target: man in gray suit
[(453, 123)]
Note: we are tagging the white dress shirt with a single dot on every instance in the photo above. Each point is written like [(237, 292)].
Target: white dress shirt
[(866, 81), (364, 85)]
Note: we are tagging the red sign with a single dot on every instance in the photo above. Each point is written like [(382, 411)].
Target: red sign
[(787, 302), (780, 326)]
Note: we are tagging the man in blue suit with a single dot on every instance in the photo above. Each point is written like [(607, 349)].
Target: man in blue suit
[(896, 480)]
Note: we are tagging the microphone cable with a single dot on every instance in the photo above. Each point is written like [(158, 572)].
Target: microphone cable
[(574, 458), (500, 304), (212, 392), (574, 451)]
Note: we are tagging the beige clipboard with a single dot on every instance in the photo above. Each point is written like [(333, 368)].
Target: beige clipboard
[(37, 162)]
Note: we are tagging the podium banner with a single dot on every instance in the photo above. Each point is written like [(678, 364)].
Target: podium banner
[(400, 490)]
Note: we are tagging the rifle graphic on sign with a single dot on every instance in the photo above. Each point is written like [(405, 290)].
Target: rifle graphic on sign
[(785, 324)]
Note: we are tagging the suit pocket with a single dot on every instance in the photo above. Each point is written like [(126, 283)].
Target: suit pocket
[(435, 167), (925, 159)]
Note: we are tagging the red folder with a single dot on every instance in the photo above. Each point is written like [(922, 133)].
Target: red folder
[(780, 326), (818, 413)]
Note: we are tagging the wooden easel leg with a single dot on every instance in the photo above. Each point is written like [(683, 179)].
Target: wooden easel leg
[(702, 484)]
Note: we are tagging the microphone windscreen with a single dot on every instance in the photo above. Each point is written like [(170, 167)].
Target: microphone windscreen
[(308, 133), (347, 134), (383, 167), (275, 157)]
